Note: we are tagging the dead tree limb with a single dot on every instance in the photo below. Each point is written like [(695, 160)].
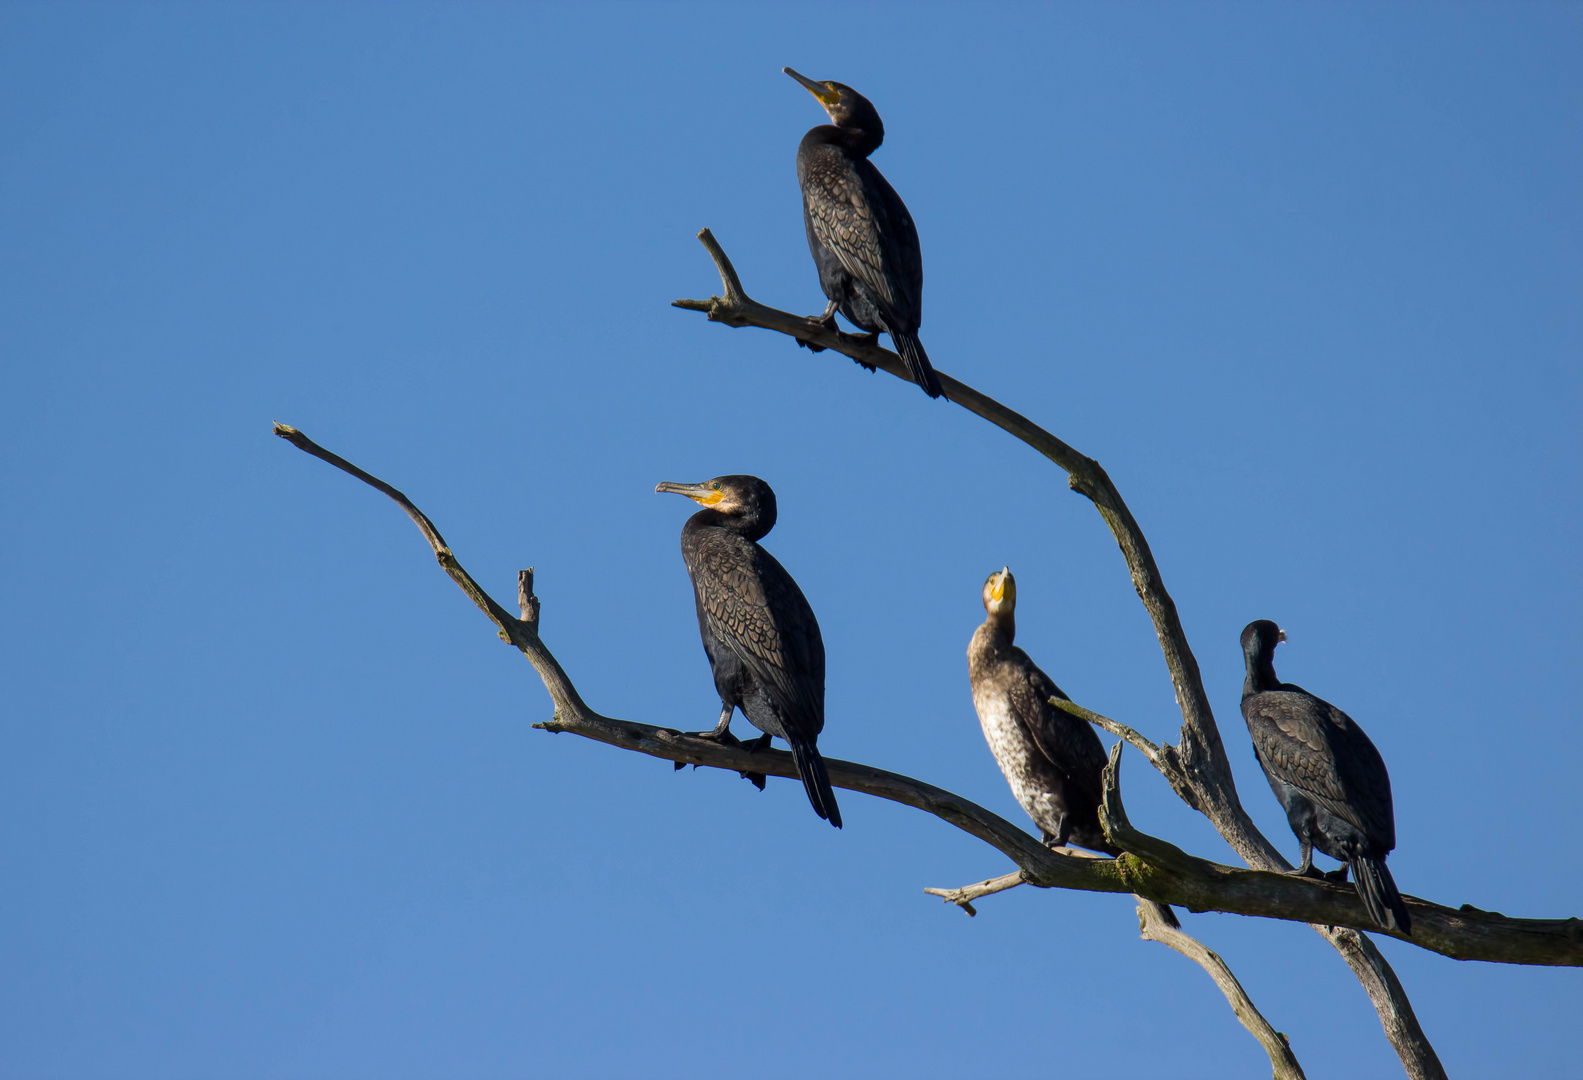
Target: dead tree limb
[(1154, 927), (1157, 923), (964, 897), (1200, 761), (1193, 883)]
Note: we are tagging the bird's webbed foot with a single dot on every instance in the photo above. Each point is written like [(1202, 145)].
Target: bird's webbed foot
[(1305, 867), (722, 730), (1338, 875), (827, 321), (754, 746), (864, 339), (1062, 834)]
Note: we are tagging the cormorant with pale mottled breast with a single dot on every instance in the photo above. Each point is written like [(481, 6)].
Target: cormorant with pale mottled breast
[(859, 230), (1326, 773), (758, 630), (1053, 761)]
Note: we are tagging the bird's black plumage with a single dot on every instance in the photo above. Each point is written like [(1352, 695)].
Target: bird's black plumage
[(1053, 761), (859, 230), (1326, 774), (758, 630)]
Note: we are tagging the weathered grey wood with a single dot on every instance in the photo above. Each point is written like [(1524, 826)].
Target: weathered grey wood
[(964, 897), (1155, 927)]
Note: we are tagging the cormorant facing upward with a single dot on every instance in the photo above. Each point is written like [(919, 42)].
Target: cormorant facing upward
[(759, 632), (1053, 761), (859, 230), (1326, 773)]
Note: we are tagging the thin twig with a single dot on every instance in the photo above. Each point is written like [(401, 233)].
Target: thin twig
[(1163, 758), (1115, 727), (964, 896)]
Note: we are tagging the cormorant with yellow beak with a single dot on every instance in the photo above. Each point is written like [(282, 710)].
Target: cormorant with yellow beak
[(859, 230), (759, 632), (1053, 761)]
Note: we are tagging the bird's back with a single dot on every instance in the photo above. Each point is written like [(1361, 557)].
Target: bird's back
[(854, 217), (1315, 748), (748, 603)]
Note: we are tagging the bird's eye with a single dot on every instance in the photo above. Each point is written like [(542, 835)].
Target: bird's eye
[(716, 485)]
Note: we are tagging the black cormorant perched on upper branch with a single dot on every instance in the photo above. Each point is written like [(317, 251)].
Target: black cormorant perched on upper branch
[(1053, 761), (1326, 773), (761, 636), (859, 230)]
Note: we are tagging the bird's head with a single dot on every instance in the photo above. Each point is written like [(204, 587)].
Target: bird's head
[(746, 502), (1000, 594), (1260, 637), (847, 107)]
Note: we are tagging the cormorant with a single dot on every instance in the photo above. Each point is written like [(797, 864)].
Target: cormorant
[(1053, 761), (859, 230), (1326, 773), (761, 636)]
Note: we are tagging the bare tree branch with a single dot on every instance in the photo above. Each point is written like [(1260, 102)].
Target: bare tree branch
[(964, 896), (1196, 884), (527, 603), (1207, 782), (1119, 830), (966, 893), (1155, 927), (1157, 923), (1169, 765)]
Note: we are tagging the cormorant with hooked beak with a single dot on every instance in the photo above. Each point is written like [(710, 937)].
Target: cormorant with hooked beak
[(859, 230), (759, 632), (1326, 773), (1053, 761)]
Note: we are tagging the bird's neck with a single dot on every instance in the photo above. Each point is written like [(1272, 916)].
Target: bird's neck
[(859, 142), (1003, 627), (1261, 676), (748, 526)]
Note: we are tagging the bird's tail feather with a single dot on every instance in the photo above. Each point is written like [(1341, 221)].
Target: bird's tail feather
[(810, 767), (1377, 890), (917, 361)]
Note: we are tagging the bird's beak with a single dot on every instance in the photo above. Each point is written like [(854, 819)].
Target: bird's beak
[(1280, 635), (826, 96), (997, 591), (703, 494)]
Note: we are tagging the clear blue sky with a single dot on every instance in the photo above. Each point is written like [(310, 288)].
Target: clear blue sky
[(1306, 279)]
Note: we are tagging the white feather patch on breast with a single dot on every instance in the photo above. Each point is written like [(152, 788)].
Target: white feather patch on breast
[(1014, 753)]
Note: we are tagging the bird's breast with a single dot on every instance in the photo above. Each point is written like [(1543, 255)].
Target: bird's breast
[(1001, 730)]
